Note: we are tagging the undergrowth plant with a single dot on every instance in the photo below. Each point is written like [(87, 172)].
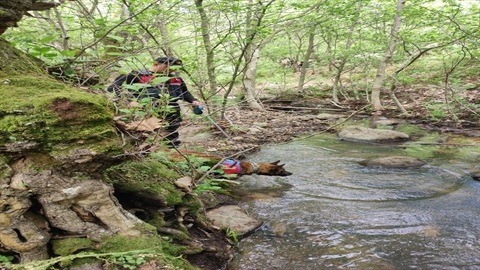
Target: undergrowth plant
[(6, 259), (232, 235), (125, 260), (129, 260), (208, 185)]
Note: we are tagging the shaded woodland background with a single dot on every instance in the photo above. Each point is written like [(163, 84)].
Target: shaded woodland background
[(355, 51)]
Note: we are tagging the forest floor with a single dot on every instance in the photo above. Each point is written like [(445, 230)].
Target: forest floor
[(285, 119)]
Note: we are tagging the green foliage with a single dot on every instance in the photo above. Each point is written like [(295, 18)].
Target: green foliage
[(126, 261), (130, 259), (31, 103), (147, 107), (232, 235), (6, 259), (129, 252), (105, 38), (64, 247), (208, 185), (437, 110), (147, 177)]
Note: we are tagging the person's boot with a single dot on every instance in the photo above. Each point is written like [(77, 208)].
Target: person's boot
[(173, 144)]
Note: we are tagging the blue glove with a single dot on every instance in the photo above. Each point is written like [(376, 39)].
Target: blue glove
[(198, 110)]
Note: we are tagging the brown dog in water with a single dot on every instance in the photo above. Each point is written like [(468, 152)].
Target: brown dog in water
[(232, 166)]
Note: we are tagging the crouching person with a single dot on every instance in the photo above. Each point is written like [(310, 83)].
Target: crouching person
[(162, 78)]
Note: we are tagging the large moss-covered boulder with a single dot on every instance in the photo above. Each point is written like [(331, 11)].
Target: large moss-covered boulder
[(38, 113), (55, 142), (67, 174)]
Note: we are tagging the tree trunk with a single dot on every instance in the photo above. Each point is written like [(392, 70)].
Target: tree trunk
[(205, 25), (337, 84), (166, 44), (381, 70), (303, 70), (252, 53), (249, 79), (250, 38)]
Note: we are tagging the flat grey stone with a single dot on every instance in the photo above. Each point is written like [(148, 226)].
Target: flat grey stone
[(233, 217), (329, 116), (394, 162), (358, 133)]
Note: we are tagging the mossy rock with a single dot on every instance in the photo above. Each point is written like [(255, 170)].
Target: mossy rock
[(120, 251), (41, 114), (148, 179), (155, 247), (16, 62), (64, 247), (55, 116), (51, 125)]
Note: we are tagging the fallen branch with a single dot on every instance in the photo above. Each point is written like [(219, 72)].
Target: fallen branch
[(293, 108), (338, 124), (443, 144)]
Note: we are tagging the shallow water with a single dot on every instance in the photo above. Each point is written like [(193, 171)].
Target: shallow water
[(340, 215)]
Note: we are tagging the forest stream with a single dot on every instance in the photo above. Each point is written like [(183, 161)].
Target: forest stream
[(333, 213)]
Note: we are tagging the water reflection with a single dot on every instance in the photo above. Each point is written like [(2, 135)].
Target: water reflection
[(337, 214)]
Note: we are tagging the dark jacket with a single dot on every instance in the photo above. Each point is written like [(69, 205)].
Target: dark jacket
[(174, 86)]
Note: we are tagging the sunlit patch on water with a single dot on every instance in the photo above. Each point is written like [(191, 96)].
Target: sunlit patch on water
[(337, 214)]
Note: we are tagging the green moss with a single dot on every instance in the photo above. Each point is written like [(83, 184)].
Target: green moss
[(164, 252), (78, 262), (157, 220), (61, 119), (118, 248), (411, 129), (5, 170), (193, 204), (64, 247), (40, 162), (146, 229), (149, 178), (124, 243), (15, 62), (56, 116)]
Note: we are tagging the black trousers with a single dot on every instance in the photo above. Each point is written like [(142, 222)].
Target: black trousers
[(174, 119)]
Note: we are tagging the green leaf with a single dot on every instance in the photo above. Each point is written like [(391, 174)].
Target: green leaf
[(174, 67), (68, 53), (101, 21), (69, 71), (116, 53), (145, 100), (42, 50), (124, 110), (47, 39), (203, 169), (136, 86), (140, 113), (50, 55), (117, 38), (160, 79)]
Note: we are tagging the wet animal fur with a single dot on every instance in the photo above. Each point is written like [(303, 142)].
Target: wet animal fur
[(248, 168), (264, 168)]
